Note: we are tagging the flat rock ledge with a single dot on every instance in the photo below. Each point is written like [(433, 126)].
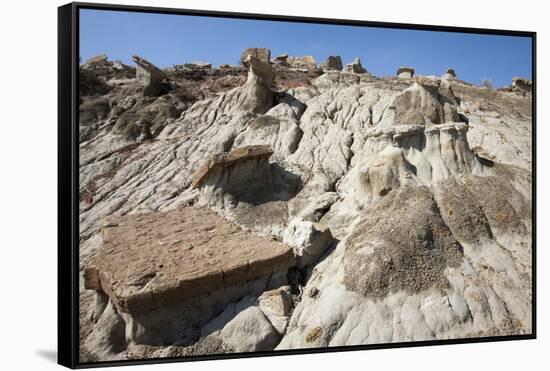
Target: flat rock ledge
[(152, 260), (222, 160)]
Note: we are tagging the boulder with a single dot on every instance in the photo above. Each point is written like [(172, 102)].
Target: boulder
[(309, 240), (243, 327), (149, 75), (355, 66), (262, 54), (108, 336), (276, 306), (405, 72), (333, 62)]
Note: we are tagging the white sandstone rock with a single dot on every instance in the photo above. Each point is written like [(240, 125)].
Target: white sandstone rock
[(309, 240)]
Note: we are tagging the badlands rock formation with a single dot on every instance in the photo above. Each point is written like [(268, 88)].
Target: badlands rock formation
[(282, 205)]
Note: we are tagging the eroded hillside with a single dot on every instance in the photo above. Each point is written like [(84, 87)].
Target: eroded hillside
[(282, 204)]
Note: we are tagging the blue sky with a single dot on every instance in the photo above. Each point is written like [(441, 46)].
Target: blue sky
[(173, 39)]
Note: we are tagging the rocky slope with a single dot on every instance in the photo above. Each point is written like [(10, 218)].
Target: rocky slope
[(405, 203)]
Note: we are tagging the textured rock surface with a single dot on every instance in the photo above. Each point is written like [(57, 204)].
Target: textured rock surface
[(149, 75), (262, 54), (225, 160), (243, 327), (424, 184), (333, 62), (355, 66), (152, 260), (309, 241)]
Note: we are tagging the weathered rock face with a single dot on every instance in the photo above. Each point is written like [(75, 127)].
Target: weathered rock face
[(333, 62), (520, 83), (188, 252), (424, 103), (246, 187), (262, 54), (309, 240), (355, 66), (149, 75), (403, 206), (257, 90), (226, 160), (304, 63)]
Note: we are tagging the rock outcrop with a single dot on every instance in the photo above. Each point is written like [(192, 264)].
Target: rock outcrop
[(522, 84), (405, 72), (138, 274), (281, 59), (309, 241), (151, 263), (280, 207), (98, 60), (355, 66), (149, 75), (333, 62), (216, 165), (262, 54), (305, 63), (258, 96)]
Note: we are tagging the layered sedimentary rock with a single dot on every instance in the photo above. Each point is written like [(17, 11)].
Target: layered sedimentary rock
[(404, 205)]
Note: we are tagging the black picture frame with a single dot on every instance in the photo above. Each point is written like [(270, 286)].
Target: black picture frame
[(68, 180)]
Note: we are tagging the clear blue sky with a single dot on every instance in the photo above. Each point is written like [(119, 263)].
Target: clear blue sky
[(173, 39)]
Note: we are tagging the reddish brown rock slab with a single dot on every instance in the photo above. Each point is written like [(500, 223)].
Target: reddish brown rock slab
[(151, 260), (227, 159)]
